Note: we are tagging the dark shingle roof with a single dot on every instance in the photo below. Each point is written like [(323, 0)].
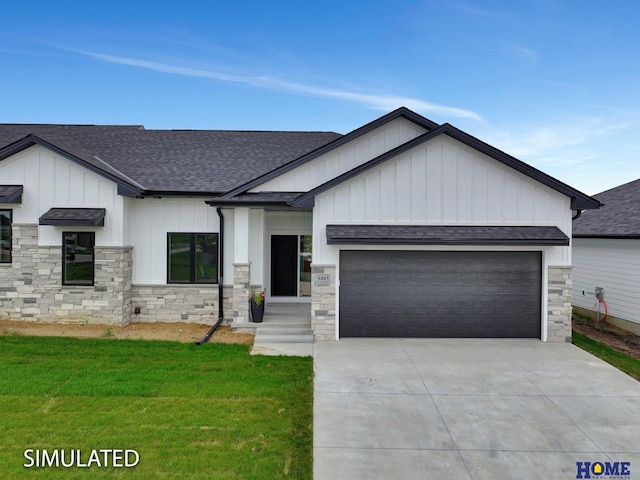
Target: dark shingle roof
[(619, 217), (11, 193), (444, 235), (88, 217), (198, 161)]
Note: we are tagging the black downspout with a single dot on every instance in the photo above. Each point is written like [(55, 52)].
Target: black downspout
[(220, 279), (577, 215)]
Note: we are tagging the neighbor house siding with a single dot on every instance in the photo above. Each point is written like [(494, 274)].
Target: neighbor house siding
[(51, 180), (613, 264), (343, 159)]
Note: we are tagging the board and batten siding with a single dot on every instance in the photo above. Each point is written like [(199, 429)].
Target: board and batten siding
[(148, 222), (51, 180), (344, 158), (441, 181), (613, 264)]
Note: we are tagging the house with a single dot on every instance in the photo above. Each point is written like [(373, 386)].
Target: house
[(400, 228), (606, 247)]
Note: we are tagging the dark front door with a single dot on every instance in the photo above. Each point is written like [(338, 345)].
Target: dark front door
[(284, 265), (440, 294)]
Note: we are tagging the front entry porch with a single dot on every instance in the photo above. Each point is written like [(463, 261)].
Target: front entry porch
[(285, 330)]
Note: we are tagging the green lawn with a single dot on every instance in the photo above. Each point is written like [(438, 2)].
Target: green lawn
[(622, 362), (209, 411)]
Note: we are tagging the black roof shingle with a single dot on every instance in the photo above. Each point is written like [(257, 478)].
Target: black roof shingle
[(444, 235), (619, 217), (198, 161)]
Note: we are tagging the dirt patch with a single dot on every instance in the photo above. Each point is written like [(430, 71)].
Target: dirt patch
[(617, 338), (177, 332)]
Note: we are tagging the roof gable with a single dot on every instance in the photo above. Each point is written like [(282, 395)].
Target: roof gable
[(126, 186), (579, 200), (401, 112)]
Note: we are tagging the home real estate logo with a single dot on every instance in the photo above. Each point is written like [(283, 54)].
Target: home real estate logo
[(604, 470)]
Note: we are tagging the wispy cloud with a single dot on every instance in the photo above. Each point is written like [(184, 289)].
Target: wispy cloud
[(545, 140), (375, 101), (481, 12), (523, 52)]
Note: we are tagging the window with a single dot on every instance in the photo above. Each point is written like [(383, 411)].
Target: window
[(192, 258), (78, 258), (5, 236)]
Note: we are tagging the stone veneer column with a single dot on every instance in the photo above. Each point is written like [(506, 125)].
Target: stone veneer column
[(113, 277), (559, 304), (323, 302), (241, 292)]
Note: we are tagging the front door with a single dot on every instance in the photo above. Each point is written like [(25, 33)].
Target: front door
[(284, 265)]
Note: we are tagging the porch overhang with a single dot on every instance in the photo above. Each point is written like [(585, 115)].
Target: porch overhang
[(267, 200)]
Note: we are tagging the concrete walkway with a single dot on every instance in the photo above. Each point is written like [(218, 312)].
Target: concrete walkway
[(469, 409)]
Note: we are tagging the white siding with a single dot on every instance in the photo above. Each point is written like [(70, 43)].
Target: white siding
[(613, 264), (345, 158), (148, 222), (53, 181), (441, 182)]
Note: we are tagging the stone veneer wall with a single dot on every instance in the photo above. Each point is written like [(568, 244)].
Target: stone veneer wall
[(31, 286), (323, 303), (31, 289), (180, 303), (559, 304)]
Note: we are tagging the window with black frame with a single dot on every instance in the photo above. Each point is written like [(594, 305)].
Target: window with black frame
[(5, 236), (192, 258), (78, 258)]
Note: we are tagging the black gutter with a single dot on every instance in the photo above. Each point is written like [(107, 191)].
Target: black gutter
[(220, 279), (615, 236)]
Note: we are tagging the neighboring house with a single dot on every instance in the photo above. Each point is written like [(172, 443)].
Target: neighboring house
[(606, 253), (400, 228)]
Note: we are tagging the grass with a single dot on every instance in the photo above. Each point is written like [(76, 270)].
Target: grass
[(625, 363), (209, 411)]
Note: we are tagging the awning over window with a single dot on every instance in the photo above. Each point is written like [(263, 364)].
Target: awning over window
[(74, 217), (10, 193), (444, 235)]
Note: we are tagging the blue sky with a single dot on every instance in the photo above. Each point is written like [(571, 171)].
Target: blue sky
[(554, 83)]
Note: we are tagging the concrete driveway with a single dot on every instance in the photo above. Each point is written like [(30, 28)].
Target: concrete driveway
[(469, 409)]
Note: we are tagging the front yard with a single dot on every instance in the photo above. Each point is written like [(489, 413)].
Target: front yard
[(209, 411)]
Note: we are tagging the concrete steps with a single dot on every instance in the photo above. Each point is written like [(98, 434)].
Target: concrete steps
[(285, 330)]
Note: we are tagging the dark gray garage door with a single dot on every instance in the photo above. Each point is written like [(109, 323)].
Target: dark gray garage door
[(440, 294)]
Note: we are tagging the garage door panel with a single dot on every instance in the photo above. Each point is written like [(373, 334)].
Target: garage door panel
[(440, 294)]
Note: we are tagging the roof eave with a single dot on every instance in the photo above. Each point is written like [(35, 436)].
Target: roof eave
[(613, 236)]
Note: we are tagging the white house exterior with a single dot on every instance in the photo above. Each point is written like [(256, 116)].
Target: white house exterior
[(606, 246), (402, 227)]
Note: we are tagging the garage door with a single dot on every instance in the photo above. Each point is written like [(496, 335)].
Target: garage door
[(440, 294)]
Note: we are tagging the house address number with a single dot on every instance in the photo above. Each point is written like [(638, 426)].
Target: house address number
[(323, 280)]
